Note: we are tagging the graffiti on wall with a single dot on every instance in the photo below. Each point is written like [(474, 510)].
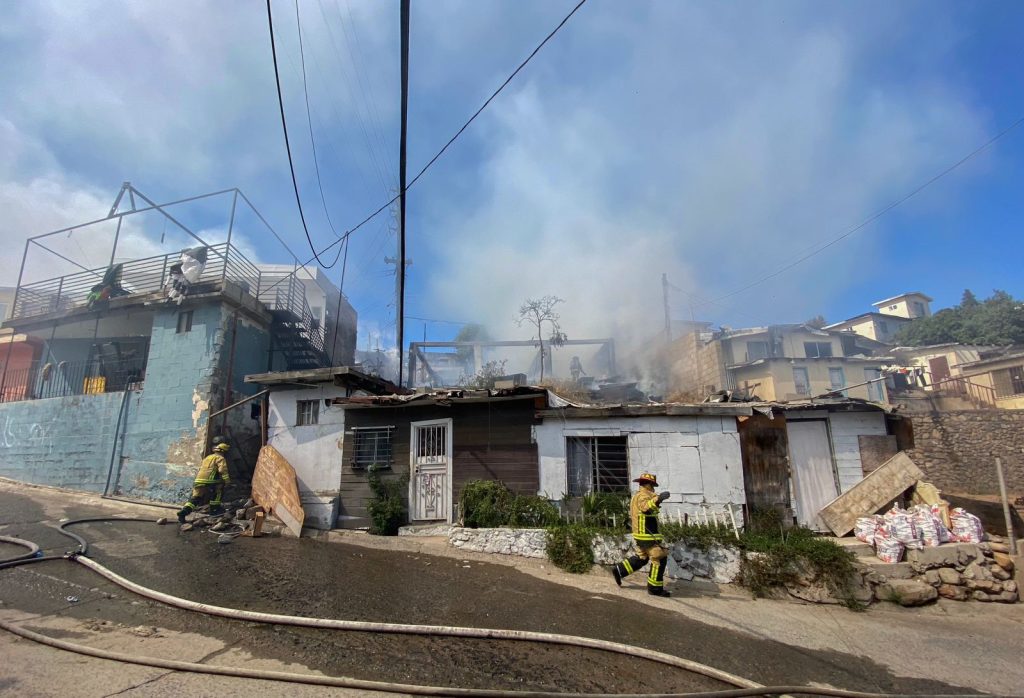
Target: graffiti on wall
[(27, 435)]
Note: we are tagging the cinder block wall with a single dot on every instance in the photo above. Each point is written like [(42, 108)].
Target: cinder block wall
[(957, 450), (61, 441)]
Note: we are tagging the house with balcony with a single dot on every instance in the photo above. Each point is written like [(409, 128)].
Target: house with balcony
[(1001, 373), (778, 363), (109, 385)]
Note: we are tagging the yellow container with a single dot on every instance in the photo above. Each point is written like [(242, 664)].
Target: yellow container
[(95, 385)]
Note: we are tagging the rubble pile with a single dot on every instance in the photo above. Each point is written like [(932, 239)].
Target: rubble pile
[(242, 517)]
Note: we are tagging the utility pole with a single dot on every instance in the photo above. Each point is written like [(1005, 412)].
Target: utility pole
[(400, 270), (668, 321)]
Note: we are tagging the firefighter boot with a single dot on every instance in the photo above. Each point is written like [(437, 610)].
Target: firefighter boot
[(182, 513)]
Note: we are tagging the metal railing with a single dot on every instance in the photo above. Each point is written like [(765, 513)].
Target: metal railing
[(141, 276), (42, 380), (956, 385)]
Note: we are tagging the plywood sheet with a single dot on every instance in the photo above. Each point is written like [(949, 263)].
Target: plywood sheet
[(883, 485), (275, 488)]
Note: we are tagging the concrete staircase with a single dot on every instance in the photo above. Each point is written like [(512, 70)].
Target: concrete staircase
[(865, 557)]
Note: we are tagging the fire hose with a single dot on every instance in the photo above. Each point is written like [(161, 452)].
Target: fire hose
[(746, 687)]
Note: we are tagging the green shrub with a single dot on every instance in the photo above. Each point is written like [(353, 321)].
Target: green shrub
[(606, 509), (387, 504), (531, 511), (570, 547), (484, 504), (490, 504)]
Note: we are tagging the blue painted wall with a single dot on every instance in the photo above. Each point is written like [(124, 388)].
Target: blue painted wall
[(63, 441), (69, 441)]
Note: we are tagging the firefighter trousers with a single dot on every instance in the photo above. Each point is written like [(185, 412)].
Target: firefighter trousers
[(205, 493), (646, 551)]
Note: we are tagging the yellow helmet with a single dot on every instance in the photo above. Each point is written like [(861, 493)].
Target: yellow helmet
[(647, 477), (222, 447)]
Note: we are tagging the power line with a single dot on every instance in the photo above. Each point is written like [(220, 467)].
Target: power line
[(875, 216), (312, 140), (288, 147), (452, 140)]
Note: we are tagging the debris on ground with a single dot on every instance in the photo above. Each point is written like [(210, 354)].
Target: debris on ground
[(235, 518)]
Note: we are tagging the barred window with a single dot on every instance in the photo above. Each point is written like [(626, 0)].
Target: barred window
[(1009, 381), (597, 464), (372, 448), (307, 412)]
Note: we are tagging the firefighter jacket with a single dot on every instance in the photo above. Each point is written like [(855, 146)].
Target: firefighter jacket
[(643, 515), (214, 470)]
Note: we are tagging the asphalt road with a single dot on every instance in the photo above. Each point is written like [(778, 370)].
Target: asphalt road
[(311, 578)]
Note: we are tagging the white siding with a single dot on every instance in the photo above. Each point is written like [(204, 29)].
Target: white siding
[(697, 459), (845, 428), (314, 451)]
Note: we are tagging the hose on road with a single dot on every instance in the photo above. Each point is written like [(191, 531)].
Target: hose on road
[(33, 549), (746, 687)]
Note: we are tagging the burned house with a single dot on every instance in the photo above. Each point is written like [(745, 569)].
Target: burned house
[(135, 364)]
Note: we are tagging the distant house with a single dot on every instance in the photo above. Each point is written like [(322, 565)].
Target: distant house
[(892, 314), (778, 362), (1002, 374)]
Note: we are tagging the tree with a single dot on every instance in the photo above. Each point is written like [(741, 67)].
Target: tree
[(536, 312), (471, 332), (485, 377), (999, 319), (818, 321)]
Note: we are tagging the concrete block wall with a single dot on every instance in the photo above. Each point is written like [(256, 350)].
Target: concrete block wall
[(165, 435), (62, 441), (957, 450)]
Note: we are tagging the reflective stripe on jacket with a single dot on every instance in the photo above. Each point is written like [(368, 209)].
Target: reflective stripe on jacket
[(213, 470), (643, 515)]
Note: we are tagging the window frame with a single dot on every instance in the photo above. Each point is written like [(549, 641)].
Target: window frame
[(807, 380), (184, 318), (1010, 378), (356, 462), (616, 475), (817, 350), (758, 342), (302, 419)]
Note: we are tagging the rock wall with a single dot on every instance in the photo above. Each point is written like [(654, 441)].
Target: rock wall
[(957, 450), (718, 564)]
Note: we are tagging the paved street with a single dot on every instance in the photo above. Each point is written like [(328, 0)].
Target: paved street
[(939, 649)]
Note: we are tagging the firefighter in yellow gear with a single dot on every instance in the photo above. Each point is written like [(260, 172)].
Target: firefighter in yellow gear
[(209, 483), (644, 508)]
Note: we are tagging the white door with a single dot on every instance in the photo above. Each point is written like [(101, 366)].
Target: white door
[(430, 462), (814, 477)]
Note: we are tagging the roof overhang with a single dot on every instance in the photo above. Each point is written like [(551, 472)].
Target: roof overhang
[(343, 376)]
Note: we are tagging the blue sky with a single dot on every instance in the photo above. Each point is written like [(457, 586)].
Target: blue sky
[(709, 141)]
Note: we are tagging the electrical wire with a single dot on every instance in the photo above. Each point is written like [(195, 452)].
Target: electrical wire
[(309, 121), (874, 217), (458, 133), (288, 147)]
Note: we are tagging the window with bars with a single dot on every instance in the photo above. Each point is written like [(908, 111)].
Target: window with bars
[(1009, 381), (817, 350), (597, 464), (307, 412), (372, 448)]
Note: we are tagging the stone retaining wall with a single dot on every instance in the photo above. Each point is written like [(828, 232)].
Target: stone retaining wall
[(718, 564), (957, 450)]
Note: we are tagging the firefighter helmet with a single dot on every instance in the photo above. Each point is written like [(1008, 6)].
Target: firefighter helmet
[(647, 477)]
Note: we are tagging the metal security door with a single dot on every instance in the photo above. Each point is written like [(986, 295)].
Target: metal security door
[(431, 481), (810, 456)]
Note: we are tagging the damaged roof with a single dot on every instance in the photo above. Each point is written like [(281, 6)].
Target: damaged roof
[(346, 376), (454, 396)]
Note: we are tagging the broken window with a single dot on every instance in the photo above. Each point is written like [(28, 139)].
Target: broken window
[(1009, 381), (801, 381), (757, 350), (307, 412), (817, 350), (372, 448), (597, 464)]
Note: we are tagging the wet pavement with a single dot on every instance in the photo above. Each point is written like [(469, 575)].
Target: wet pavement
[(331, 580)]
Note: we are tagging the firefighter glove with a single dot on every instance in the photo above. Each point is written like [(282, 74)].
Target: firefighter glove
[(663, 496)]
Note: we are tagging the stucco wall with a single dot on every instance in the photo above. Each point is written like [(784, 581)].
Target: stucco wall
[(777, 383), (314, 451), (696, 458), (62, 441), (957, 450)]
